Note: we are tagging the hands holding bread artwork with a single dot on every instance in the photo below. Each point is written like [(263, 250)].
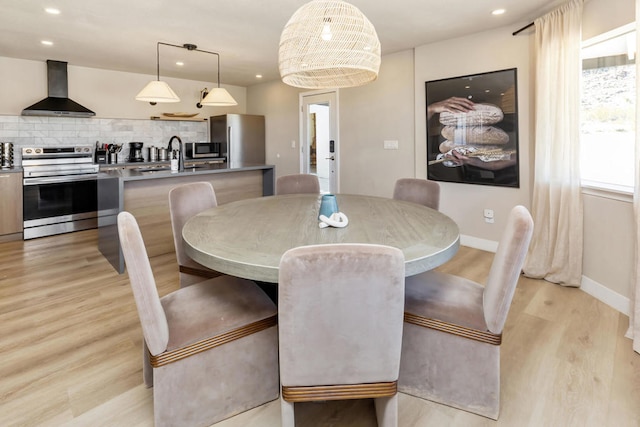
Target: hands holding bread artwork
[(469, 134), (454, 104)]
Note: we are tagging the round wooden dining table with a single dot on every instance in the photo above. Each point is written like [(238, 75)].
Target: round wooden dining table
[(247, 238)]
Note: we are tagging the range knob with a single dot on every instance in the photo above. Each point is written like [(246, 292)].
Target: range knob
[(38, 150)]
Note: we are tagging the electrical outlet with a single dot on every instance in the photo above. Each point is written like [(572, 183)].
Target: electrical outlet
[(488, 216), (391, 145), (293, 143)]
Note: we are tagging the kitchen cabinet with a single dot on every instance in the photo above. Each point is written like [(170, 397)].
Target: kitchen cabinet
[(11, 209)]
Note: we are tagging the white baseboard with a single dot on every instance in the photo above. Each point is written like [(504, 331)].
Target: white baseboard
[(606, 295), (593, 288), (477, 243)]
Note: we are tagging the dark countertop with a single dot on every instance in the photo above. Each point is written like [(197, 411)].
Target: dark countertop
[(123, 165), (148, 171), (159, 163)]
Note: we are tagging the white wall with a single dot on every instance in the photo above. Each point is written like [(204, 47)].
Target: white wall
[(278, 102), (110, 94), (488, 51), (600, 16), (608, 251), (371, 114), (608, 259), (382, 110)]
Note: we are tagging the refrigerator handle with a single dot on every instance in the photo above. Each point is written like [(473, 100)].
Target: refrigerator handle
[(229, 144)]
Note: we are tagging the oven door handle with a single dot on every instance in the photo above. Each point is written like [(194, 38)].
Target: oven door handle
[(58, 179)]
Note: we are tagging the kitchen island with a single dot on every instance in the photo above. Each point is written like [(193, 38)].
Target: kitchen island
[(145, 193)]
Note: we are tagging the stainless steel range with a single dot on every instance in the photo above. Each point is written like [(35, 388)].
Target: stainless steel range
[(60, 190)]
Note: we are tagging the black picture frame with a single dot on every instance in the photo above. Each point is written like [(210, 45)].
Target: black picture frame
[(478, 146)]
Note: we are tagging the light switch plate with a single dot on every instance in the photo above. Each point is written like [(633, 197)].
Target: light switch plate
[(391, 145)]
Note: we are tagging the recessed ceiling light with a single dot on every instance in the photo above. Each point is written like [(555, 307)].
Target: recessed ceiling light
[(258, 76), (52, 10), (47, 42), (179, 63), (498, 12)]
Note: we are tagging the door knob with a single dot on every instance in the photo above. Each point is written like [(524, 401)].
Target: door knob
[(330, 158)]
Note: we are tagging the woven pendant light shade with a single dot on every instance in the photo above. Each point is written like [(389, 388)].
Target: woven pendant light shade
[(328, 44)]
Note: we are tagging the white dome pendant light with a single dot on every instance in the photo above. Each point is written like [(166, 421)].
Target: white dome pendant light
[(328, 44)]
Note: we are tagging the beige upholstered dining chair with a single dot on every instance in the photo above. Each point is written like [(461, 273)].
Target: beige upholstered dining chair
[(340, 326), (213, 345), (419, 191), (185, 201), (297, 184), (453, 328)]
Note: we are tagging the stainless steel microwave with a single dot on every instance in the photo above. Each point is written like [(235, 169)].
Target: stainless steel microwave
[(202, 150)]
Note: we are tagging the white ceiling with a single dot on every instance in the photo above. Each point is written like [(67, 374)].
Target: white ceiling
[(122, 34)]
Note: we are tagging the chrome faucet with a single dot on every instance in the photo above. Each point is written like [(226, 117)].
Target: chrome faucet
[(180, 152)]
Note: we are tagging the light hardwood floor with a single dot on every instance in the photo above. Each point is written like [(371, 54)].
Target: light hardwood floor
[(70, 350)]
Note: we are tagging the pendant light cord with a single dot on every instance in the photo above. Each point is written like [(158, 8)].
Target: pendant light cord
[(189, 47), (158, 60), (159, 91)]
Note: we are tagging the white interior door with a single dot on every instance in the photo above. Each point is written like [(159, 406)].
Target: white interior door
[(319, 154)]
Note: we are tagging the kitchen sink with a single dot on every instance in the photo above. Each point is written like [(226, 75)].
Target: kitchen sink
[(187, 168), (153, 170)]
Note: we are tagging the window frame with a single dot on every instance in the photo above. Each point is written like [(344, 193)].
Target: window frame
[(598, 188)]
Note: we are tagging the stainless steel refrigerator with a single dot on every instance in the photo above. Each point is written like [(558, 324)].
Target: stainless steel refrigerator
[(242, 137)]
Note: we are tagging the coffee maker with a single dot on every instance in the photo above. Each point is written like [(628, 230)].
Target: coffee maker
[(135, 152)]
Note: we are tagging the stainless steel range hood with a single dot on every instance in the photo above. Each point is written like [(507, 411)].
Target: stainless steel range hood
[(57, 103)]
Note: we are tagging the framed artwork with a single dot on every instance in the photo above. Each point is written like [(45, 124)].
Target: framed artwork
[(472, 129)]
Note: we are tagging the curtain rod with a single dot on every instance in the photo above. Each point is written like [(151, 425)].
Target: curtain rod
[(515, 33), (523, 28)]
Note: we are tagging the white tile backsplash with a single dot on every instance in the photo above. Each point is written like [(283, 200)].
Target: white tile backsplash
[(35, 131)]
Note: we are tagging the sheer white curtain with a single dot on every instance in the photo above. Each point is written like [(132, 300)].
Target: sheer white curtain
[(556, 248), (634, 314)]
